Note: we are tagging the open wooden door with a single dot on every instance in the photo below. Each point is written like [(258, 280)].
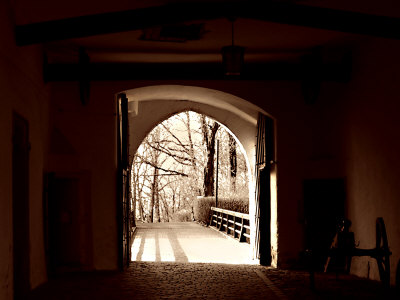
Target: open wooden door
[(265, 160), (123, 181)]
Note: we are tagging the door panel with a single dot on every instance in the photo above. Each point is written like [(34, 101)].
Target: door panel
[(265, 157), (124, 228)]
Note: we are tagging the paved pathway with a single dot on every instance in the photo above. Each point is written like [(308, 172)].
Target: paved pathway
[(186, 242)]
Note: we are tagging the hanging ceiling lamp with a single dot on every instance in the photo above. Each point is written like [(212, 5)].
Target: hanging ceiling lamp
[(232, 57)]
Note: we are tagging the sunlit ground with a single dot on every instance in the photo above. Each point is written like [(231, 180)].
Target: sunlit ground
[(186, 242)]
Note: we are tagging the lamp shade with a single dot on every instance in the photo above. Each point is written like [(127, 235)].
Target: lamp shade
[(232, 59)]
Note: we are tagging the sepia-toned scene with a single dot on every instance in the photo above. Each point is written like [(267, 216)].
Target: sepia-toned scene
[(223, 149)]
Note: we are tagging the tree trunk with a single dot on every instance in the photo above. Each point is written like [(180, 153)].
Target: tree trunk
[(209, 134), (157, 207), (153, 196), (141, 212), (209, 174), (233, 161), (132, 188), (165, 210), (173, 202)]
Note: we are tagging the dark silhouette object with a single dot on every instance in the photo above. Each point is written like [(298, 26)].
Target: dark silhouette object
[(343, 249), (343, 243), (381, 253), (324, 207)]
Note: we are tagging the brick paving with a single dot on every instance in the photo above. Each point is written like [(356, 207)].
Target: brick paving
[(182, 279)]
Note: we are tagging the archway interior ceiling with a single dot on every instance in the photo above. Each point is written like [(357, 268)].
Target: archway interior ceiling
[(227, 109), (297, 29), (235, 105)]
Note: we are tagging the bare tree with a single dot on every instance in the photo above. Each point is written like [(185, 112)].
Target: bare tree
[(176, 162)]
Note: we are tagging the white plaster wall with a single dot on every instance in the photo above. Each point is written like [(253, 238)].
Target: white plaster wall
[(21, 90)]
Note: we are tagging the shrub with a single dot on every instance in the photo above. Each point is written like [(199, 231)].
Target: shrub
[(202, 207), (183, 215), (238, 205)]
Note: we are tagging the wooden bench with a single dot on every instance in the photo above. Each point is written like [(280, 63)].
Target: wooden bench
[(233, 224)]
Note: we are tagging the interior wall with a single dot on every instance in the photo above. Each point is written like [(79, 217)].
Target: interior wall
[(355, 134), (372, 147), (83, 142), (22, 91), (90, 133), (327, 139), (350, 132)]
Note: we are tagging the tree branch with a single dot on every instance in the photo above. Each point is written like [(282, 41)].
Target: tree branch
[(165, 170)]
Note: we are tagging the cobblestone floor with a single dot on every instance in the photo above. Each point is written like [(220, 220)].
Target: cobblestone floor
[(165, 280), (166, 267)]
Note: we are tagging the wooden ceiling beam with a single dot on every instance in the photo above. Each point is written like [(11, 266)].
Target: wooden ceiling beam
[(195, 71), (271, 11)]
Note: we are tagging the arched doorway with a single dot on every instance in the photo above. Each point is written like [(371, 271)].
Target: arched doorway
[(185, 161), (148, 106)]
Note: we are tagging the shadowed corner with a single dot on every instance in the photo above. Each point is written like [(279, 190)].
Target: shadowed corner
[(398, 277)]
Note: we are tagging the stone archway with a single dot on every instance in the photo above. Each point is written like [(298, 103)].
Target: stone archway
[(148, 106)]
